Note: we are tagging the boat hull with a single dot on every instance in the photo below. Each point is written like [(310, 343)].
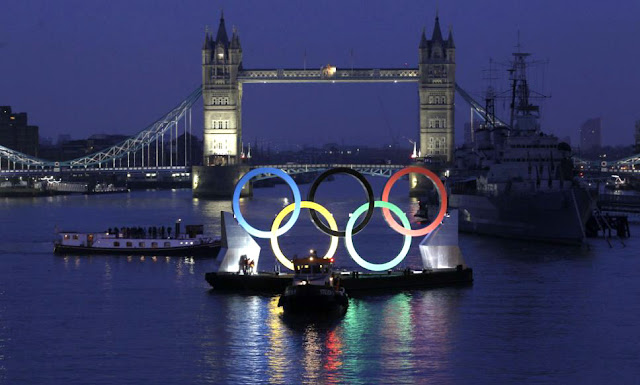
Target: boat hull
[(555, 217), (364, 283), (313, 298), (202, 251)]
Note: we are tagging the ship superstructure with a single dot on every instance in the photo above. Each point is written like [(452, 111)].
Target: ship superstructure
[(516, 181)]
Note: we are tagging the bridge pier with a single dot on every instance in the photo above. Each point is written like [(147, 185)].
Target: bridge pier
[(420, 185), (218, 182)]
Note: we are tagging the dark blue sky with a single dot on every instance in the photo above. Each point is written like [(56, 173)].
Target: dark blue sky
[(83, 67)]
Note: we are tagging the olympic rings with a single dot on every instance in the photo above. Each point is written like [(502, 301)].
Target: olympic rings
[(348, 240), (333, 246), (296, 201), (363, 182), (349, 231), (441, 192)]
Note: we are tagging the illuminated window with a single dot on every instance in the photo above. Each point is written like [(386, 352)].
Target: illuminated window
[(75, 237), (66, 236), (220, 124)]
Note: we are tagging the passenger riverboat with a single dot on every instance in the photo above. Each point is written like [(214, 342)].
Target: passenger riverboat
[(157, 241), (314, 288)]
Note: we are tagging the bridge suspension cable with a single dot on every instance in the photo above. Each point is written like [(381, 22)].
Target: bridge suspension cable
[(129, 148), (144, 138), (477, 107)]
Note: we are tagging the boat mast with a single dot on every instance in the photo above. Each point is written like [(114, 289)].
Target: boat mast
[(524, 115)]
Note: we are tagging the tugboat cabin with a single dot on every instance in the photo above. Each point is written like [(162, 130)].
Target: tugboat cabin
[(312, 270)]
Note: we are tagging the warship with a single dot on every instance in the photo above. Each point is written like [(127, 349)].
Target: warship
[(514, 180)]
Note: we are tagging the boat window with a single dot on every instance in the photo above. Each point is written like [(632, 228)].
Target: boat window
[(90, 237), (167, 244), (141, 244), (75, 236), (116, 244), (154, 244), (66, 236), (129, 244)]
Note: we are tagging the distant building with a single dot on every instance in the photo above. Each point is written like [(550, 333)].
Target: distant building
[(637, 136), (591, 134), (63, 138), (67, 149), (16, 134)]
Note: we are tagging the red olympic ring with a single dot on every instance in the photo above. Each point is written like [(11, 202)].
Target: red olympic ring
[(441, 192)]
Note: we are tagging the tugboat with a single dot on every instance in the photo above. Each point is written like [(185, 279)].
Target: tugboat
[(314, 288), (157, 241)]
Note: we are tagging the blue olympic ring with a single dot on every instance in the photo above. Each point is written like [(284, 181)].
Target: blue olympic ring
[(296, 200), (348, 239)]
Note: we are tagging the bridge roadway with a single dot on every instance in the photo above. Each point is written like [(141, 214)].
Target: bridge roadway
[(384, 170), (95, 170), (355, 75)]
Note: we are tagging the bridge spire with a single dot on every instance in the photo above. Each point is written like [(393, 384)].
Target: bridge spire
[(437, 33), (235, 39), (205, 45), (450, 43), (222, 37), (423, 39)]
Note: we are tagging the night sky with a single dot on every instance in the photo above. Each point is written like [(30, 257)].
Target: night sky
[(84, 67)]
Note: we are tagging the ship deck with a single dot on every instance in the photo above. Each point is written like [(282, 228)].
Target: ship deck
[(353, 282)]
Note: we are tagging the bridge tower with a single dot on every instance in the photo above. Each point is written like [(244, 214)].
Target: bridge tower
[(222, 97), (436, 88)]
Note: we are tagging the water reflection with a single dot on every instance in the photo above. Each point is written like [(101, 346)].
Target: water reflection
[(276, 354), (235, 341), (3, 327), (396, 333), (435, 316), (333, 357), (107, 275)]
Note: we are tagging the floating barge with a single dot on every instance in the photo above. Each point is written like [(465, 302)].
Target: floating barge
[(442, 260), (353, 282)]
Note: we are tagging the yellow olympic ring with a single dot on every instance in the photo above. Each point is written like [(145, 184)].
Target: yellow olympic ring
[(333, 246)]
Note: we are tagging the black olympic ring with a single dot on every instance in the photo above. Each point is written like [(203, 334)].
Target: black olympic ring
[(363, 182)]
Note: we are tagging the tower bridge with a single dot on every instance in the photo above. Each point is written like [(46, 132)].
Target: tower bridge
[(224, 74), (156, 148)]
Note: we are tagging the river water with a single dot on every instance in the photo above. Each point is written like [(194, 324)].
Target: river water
[(535, 313)]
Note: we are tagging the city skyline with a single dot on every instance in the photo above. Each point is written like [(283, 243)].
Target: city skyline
[(109, 67)]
